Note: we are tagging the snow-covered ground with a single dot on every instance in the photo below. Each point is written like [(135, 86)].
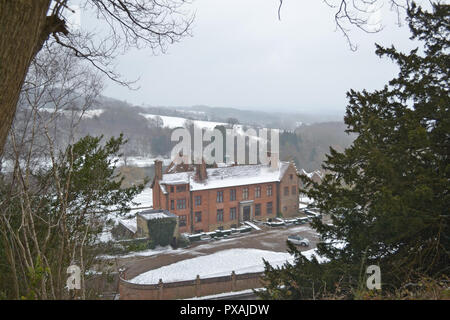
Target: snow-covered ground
[(219, 264), (145, 198), (46, 163), (105, 236), (175, 122), (142, 200), (213, 265), (35, 163), (142, 161), (144, 253)]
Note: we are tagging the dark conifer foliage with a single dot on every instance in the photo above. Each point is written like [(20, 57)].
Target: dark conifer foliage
[(387, 194)]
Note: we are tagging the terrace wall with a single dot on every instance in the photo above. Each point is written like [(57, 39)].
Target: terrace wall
[(188, 289)]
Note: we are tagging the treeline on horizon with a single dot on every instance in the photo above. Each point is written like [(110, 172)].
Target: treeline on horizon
[(307, 145)]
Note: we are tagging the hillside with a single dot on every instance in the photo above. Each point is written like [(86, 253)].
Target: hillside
[(148, 129)]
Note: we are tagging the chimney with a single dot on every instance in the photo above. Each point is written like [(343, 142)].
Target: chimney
[(274, 159), (158, 169), (201, 171), (204, 175)]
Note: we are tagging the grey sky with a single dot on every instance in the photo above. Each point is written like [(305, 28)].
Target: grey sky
[(241, 56)]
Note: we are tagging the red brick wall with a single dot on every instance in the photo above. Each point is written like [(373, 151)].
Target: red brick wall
[(210, 205), (289, 204), (189, 289), (156, 190), (175, 195)]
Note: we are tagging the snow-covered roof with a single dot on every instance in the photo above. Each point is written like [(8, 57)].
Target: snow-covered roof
[(227, 176), (311, 174), (130, 224), (156, 214), (177, 178)]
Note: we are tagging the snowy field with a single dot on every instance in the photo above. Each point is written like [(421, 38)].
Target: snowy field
[(221, 263), (176, 122), (142, 162)]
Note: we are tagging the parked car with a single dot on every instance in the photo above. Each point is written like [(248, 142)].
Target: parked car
[(297, 240), (313, 213)]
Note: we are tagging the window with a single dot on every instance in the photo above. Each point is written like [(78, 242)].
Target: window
[(232, 194), (245, 193), (181, 204), (181, 188), (258, 192), (269, 190), (232, 213), (182, 221), (171, 189), (198, 200), (286, 191), (269, 207), (257, 209), (219, 196), (172, 205), (219, 215), (198, 216), (284, 209), (294, 190), (291, 176)]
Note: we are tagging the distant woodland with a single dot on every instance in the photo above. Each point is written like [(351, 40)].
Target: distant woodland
[(306, 144)]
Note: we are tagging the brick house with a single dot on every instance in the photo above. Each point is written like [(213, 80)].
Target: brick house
[(206, 199)]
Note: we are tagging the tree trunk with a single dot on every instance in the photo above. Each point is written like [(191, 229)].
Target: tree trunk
[(22, 34)]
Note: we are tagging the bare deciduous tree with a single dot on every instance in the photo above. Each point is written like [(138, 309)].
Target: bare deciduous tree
[(359, 14), (52, 208), (26, 26)]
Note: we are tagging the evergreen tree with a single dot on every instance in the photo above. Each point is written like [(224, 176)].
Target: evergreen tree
[(64, 208), (388, 194)]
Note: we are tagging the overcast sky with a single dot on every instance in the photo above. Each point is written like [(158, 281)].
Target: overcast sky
[(241, 55)]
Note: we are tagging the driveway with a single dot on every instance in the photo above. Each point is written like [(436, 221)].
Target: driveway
[(271, 239)]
